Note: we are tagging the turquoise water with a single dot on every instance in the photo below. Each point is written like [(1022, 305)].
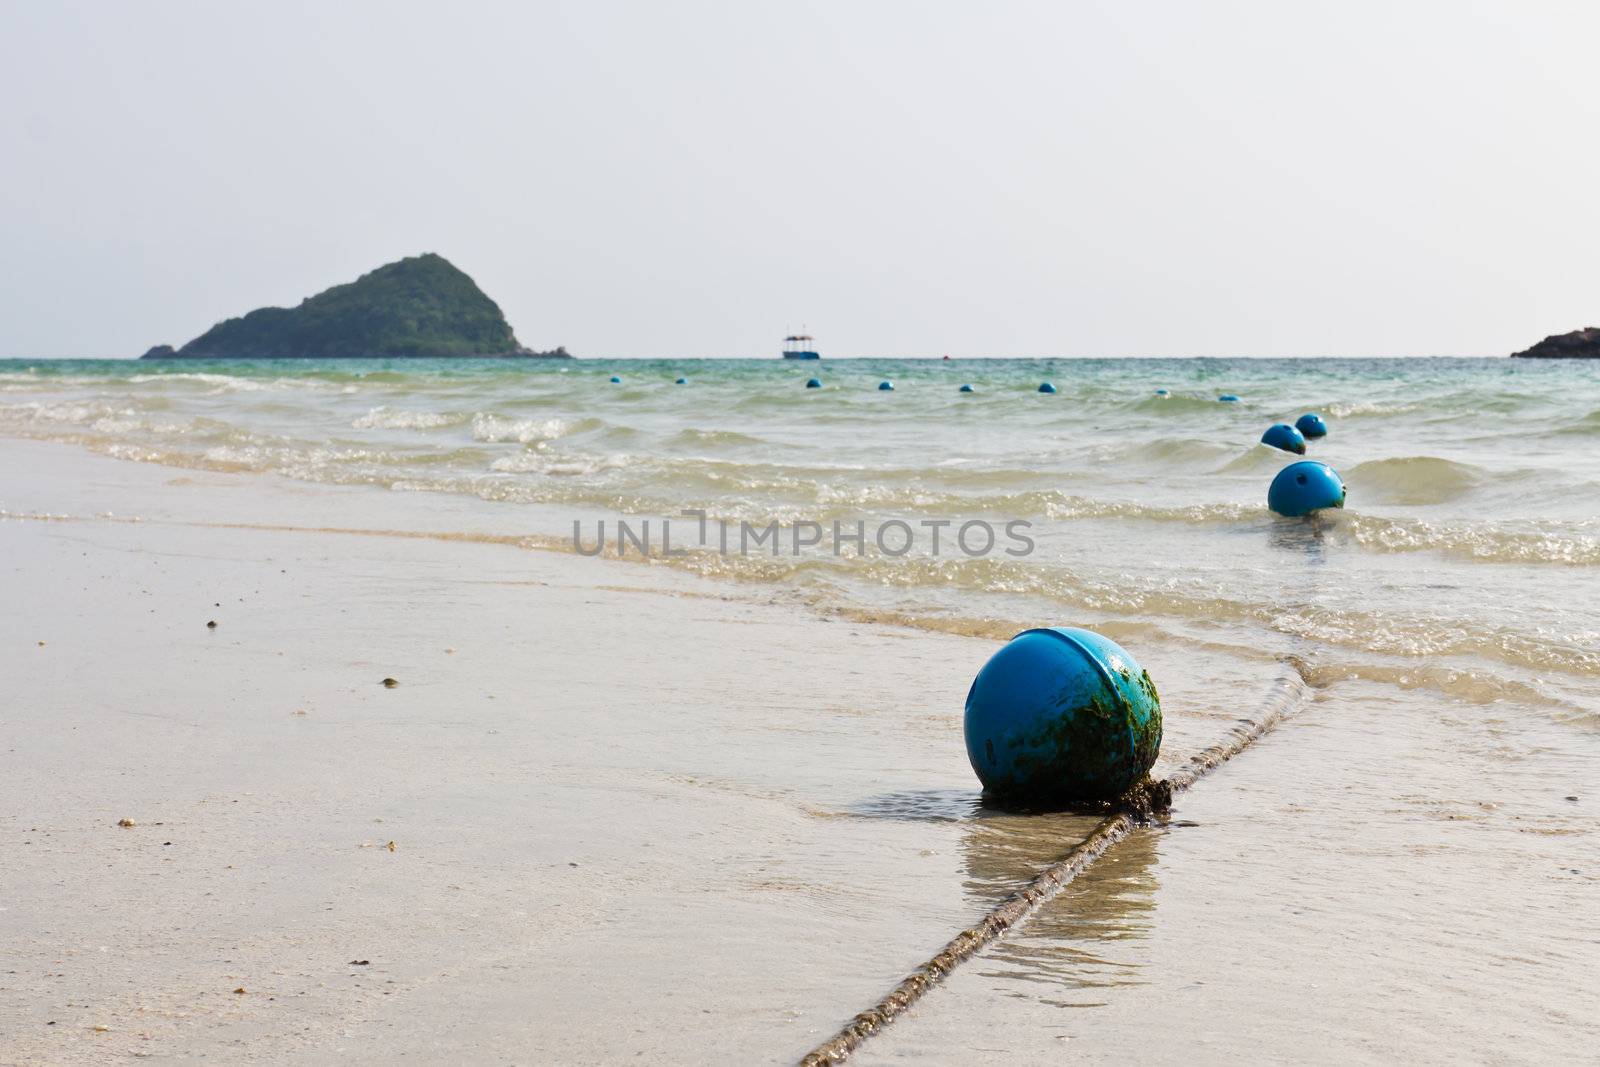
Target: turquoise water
[(1466, 566)]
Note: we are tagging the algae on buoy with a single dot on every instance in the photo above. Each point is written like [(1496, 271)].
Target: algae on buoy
[(1061, 715)]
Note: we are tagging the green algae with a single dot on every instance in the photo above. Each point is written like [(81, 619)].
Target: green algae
[(1088, 750)]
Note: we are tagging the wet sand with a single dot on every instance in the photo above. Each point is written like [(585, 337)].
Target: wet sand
[(637, 814)]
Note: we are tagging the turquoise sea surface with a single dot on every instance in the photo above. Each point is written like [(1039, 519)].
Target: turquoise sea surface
[(1466, 565)]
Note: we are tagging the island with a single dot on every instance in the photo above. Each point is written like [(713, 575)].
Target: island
[(1579, 344), (420, 307)]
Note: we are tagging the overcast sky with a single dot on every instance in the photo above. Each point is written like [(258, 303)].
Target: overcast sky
[(911, 179)]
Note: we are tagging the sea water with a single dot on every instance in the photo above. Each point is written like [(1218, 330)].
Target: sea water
[(1466, 563)]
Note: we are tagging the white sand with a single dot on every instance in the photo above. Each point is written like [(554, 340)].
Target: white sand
[(635, 814)]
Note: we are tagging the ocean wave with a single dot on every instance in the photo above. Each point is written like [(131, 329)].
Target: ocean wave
[(563, 465), (1193, 452), (1180, 404), (1258, 458), (225, 381), (1483, 543), (496, 428), (1415, 479), (720, 439), (1434, 650), (1366, 409), (61, 412), (234, 383), (1589, 424), (387, 418)]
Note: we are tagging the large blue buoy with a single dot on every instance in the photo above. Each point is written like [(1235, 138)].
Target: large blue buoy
[(1304, 487), (1046, 387), (1311, 425), (615, 380), (1228, 398), (813, 383), (1061, 715), (965, 389), (1282, 435), (886, 386)]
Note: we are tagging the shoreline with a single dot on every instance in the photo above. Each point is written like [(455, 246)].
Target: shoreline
[(551, 803), (641, 812)]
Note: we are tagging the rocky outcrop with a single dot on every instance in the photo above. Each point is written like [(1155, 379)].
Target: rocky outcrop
[(420, 307), (1579, 344)]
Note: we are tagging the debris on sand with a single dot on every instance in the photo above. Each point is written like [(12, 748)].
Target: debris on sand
[(390, 846), (126, 823), (212, 625), (389, 683), (360, 963), (239, 990)]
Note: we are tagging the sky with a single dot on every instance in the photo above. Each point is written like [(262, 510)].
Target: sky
[(903, 179)]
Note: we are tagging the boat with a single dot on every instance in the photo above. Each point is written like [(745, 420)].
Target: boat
[(800, 346)]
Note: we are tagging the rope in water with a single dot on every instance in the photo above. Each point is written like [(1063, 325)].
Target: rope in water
[(1286, 694)]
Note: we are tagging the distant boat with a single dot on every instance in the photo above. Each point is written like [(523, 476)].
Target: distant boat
[(800, 346)]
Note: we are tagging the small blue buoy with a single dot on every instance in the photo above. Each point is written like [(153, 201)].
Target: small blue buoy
[(1061, 715), (1304, 487), (1311, 425), (1228, 398), (813, 383), (886, 386), (1161, 392), (681, 381), (1046, 387), (965, 389), (1282, 435), (615, 380)]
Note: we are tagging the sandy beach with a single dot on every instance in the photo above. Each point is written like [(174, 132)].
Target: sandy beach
[(635, 813), (813, 533)]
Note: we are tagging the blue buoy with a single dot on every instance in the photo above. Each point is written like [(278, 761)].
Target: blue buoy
[(1046, 387), (1304, 487), (886, 386), (1228, 398), (1161, 392), (1311, 425), (1061, 715), (1282, 435), (615, 380), (813, 383), (966, 389), (681, 381)]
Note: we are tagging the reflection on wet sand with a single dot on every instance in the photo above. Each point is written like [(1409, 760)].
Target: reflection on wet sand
[(1080, 939), (1074, 942)]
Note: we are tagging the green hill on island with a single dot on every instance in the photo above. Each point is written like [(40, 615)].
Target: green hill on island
[(419, 307)]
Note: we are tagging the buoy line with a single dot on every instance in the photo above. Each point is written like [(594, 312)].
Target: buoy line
[(1286, 694)]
